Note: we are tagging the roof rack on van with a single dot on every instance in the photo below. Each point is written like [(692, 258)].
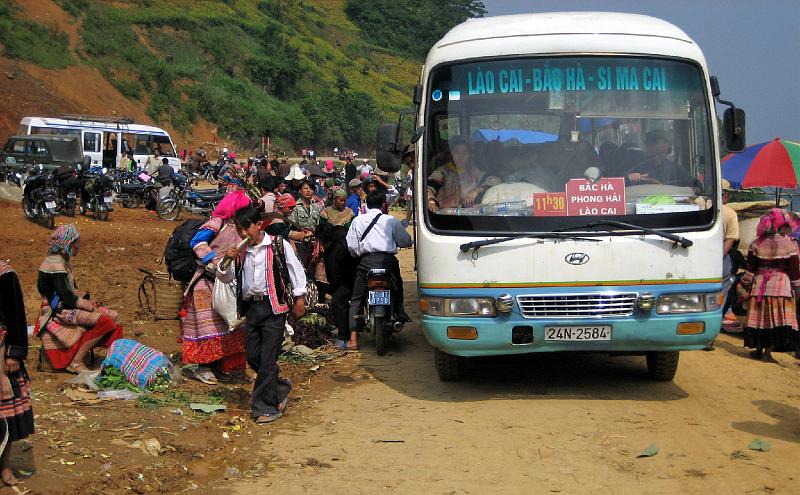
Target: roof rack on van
[(97, 118)]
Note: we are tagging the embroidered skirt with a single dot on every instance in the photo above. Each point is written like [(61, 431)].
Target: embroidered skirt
[(15, 402), (772, 323), (205, 335)]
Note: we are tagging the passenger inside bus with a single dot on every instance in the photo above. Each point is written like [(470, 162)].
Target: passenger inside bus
[(459, 182)]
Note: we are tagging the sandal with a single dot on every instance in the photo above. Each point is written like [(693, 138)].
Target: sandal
[(267, 418), (205, 375)]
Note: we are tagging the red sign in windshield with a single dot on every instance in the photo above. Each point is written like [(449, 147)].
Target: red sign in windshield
[(603, 197)]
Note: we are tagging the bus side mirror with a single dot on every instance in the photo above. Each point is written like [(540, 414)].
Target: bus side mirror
[(389, 148), (733, 128)]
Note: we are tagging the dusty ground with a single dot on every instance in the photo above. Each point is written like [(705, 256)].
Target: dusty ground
[(364, 424)]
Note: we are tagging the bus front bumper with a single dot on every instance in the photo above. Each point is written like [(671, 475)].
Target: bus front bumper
[(494, 336)]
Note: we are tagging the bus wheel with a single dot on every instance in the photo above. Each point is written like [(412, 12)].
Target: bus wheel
[(662, 365), (450, 368)]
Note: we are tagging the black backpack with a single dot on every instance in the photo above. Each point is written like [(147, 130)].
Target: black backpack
[(178, 254)]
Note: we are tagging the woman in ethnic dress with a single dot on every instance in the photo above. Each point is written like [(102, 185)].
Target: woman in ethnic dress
[(15, 389), (207, 338), (773, 280), (69, 325)]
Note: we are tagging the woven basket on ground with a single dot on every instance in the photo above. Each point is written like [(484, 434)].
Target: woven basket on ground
[(160, 295)]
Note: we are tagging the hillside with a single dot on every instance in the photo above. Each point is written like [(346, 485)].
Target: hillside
[(300, 71)]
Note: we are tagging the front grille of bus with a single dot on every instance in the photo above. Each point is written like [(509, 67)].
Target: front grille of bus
[(596, 305)]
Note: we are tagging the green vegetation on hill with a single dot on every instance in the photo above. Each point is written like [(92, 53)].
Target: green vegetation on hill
[(410, 26), (304, 72), (29, 40), (252, 68)]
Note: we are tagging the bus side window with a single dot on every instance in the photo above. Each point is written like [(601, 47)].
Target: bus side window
[(91, 142)]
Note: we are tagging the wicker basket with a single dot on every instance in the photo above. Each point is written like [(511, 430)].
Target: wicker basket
[(160, 295)]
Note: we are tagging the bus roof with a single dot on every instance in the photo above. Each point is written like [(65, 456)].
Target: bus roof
[(62, 123), (563, 32)]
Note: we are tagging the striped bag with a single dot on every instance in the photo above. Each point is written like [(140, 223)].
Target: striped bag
[(140, 364)]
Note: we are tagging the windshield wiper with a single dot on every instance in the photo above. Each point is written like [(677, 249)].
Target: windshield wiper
[(613, 223), (497, 240)]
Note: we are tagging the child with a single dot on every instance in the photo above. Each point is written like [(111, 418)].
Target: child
[(263, 277)]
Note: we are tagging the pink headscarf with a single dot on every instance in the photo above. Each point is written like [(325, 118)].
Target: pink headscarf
[(772, 221), (232, 201)]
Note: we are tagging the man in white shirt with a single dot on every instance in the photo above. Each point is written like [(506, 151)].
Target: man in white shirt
[(263, 298), (374, 238)]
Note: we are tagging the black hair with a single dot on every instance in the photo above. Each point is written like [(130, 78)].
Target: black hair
[(165, 160), (270, 183), (325, 232), (247, 216), (376, 199)]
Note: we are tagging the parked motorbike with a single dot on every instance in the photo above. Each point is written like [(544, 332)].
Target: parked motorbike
[(39, 197), (96, 192), (212, 173), (133, 189), (68, 187), (182, 195), (379, 315)]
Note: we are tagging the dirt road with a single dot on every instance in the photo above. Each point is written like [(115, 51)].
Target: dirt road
[(364, 424), (542, 424)]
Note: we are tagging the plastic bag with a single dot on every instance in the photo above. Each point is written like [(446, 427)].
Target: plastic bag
[(223, 300)]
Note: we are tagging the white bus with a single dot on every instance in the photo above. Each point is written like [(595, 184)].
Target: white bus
[(105, 139), (567, 189)]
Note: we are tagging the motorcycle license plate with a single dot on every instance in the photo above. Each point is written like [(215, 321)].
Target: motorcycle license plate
[(379, 298), (50, 205), (108, 199)]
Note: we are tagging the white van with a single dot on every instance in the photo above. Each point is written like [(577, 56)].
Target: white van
[(105, 139)]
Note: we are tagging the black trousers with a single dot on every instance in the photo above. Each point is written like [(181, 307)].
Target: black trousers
[(263, 340), (369, 261), (340, 307)]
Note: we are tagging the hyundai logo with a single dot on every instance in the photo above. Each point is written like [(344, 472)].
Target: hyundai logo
[(577, 258)]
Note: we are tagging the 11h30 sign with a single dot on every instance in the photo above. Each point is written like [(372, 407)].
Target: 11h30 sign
[(603, 197)]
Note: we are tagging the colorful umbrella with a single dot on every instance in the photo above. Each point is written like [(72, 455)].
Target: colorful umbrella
[(775, 163)]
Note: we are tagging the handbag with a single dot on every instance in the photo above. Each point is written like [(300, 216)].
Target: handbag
[(223, 301)]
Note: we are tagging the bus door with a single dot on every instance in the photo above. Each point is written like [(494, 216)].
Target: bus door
[(111, 149)]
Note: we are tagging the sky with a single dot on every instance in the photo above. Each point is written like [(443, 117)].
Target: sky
[(752, 46)]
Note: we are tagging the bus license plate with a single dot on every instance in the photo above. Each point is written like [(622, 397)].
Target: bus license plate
[(592, 333), (51, 205), (379, 298)]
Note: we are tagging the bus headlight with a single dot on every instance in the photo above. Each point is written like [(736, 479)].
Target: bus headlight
[(688, 303), (457, 306)]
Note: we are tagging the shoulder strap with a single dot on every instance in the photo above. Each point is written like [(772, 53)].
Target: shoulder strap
[(369, 227)]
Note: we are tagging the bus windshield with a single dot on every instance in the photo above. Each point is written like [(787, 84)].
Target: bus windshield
[(538, 144), (145, 144)]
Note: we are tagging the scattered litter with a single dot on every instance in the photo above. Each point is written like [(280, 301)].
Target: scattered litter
[(149, 446), (207, 408), (738, 454), (86, 379), (24, 472), (314, 368), (650, 451), (83, 397), (135, 426), (123, 394), (225, 435), (760, 445), (178, 411), (232, 473), (388, 441)]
